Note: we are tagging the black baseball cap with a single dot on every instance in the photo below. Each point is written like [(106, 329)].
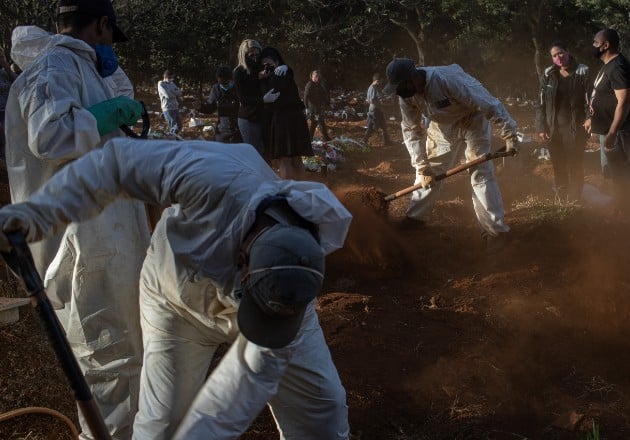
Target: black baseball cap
[(224, 72), (94, 8), (285, 273), (398, 70)]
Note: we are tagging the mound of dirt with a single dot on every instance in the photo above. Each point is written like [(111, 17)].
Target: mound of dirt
[(373, 245), (434, 338), (362, 198)]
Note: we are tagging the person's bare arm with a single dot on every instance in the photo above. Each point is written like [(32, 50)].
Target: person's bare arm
[(621, 113)]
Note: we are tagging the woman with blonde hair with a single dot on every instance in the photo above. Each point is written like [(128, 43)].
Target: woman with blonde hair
[(248, 89)]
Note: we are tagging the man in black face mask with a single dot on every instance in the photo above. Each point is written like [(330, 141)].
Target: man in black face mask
[(460, 110), (610, 105)]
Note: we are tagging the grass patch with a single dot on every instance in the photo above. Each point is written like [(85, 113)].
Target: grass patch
[(594, 434), (10, 286), (541, 210)]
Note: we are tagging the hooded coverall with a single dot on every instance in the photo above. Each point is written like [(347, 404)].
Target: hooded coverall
[(91, 271), (188, 279), (460, 110)]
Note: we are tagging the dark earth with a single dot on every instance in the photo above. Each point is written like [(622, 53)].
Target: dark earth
[(433, 338)]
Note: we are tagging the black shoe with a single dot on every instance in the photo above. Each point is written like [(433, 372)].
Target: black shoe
[(408, 224)]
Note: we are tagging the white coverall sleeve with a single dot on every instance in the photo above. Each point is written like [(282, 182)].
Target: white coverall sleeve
[(468, 91), (59, 128), (162, 90), (121, 83), (169, 90), (414, 132), (83, 188), (370, 95)]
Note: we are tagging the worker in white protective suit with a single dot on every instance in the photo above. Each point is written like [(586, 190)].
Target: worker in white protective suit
[(235, 233), (66, 103), (460, 110)]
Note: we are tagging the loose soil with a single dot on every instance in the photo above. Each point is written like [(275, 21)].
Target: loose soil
[(434, 338)]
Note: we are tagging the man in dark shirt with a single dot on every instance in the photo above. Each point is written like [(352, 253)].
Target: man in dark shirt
[(224, 101), (610, 105), (316, 99)]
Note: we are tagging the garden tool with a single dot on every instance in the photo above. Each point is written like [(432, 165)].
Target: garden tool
[(467, 165), (20, 261), (146, 125)]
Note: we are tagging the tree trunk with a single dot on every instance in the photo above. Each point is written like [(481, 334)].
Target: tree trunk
[(534, 10), (538, 55), (417, 37)]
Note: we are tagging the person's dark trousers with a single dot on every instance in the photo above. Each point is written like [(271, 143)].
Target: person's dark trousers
[(618, 160), (567, 159), (375, 121), (2, 136), (229, 138), (315, 119)]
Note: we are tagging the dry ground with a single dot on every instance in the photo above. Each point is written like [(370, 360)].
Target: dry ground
[(433, 338)]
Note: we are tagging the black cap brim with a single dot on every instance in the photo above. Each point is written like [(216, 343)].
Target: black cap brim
[(265, 330), (119, 37)]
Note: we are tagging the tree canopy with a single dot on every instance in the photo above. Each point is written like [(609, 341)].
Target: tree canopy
[(502, 42)]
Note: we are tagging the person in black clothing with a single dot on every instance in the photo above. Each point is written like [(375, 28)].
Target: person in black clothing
[(610, 105), (286, 132), (317, 99), (248, 89), (224, 101), (560, 116)]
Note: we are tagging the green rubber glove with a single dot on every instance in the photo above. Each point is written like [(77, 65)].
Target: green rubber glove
[(113, 113)]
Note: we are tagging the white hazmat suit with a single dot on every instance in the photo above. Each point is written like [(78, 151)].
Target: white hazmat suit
[(91, 271), (188, 281), (460, 110)]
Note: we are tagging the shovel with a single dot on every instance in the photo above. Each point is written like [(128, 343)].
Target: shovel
[(486, 157), (20, 261), (146, 125)]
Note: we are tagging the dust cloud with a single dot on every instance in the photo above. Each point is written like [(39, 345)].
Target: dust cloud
[(374, 244)]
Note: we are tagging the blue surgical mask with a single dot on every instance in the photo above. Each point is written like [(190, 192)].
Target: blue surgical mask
[(226, 87), (106, 60)]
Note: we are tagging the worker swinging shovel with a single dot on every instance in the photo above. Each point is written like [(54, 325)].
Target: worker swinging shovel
[(467, 165)]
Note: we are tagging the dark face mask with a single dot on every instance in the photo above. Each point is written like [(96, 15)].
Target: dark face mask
[(406, 89), (253, 62), (597, 52)]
